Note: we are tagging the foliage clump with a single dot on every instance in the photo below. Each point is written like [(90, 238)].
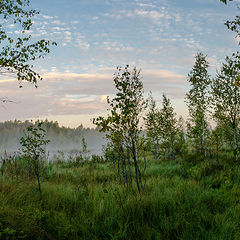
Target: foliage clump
[(122, 125), (162, 128), (19, 50), (197, 100)]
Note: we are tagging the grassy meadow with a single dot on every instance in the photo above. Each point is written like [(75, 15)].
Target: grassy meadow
[(191, 198)]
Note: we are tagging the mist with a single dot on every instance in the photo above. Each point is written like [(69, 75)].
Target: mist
[(62, 139)]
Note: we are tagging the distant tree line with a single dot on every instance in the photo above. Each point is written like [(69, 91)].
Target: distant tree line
[(61, 138)]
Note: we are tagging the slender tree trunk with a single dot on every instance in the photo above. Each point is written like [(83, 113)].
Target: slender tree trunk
[(203, 137), (129, 168), (135, 160), (36, 167), (235, 139), (217, 151), (155, 151), (172, 146)]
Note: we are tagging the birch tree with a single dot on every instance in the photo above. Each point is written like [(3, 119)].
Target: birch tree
[(168, 124), (152, 126), (19, 50), (226, 97), (197, 100), (161, 125), (122, 125)]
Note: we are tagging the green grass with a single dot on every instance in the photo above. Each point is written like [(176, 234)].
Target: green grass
[(182, 200)]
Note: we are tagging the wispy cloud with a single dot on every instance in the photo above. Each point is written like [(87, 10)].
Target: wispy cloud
[(74, 93), (144, 5), (161, 37)]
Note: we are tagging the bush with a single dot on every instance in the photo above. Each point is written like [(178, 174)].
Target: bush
[(97, 159)]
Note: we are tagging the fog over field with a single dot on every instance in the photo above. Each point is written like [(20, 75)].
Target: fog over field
[(66, 140)]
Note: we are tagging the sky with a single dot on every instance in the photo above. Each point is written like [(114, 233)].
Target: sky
[(160, 37)]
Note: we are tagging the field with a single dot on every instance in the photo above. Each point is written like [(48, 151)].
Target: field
[(188, 198)]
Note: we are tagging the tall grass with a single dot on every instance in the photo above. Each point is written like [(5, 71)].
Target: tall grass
[(182, 200)]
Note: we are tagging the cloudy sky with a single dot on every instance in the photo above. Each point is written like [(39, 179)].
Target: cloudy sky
[(161, 37)]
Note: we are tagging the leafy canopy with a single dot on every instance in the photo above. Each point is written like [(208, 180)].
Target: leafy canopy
[(126, 108), (18, 50)]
